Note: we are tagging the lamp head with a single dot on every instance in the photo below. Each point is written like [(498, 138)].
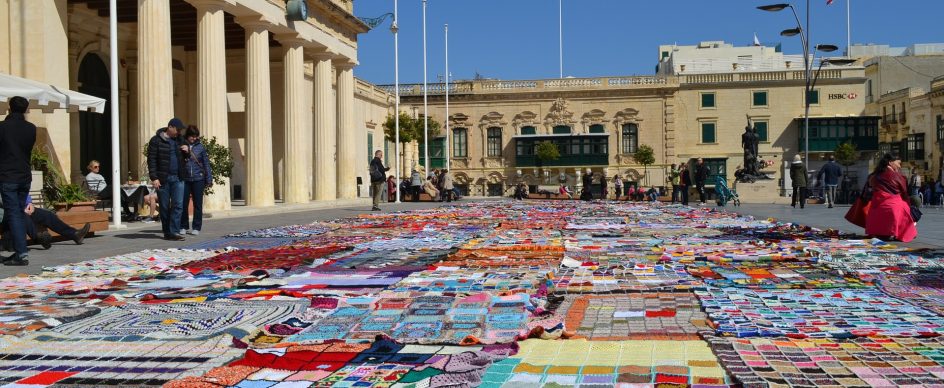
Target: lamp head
[(826, 48), (774, 7), (394, 28), (839, 61), (791, 32)]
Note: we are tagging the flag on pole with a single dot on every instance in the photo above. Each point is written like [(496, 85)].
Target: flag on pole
[(756, 41), (829, 2)]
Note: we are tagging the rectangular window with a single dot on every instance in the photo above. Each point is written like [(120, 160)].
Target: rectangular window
[(561, 129), (630, 138), (707, 100), (370, 146), (494, 142), (460, 143), (759, 98), (716, 167), (916, 146), (707, 132), (761, 127), (597, 128), (529, 130), (814, 97), (940, 128)]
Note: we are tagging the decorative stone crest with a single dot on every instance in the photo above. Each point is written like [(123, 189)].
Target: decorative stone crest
[(593, 117), (628, 115), (559, 114), (459, 120), (524, 119)]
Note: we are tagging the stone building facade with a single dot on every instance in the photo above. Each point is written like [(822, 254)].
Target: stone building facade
[(599, 123), (280, 93)]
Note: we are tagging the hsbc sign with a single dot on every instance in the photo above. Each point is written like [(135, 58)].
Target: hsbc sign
[(843, 96)]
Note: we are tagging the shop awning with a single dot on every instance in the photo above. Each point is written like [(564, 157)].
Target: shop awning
[(46, 97)]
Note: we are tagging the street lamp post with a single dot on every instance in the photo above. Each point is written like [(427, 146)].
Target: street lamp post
[(425, 98), (395, 28), (804, 33)]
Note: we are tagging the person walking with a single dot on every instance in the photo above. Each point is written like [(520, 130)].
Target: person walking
[(603, 191), (416, 184), (685, 181), (701, 175), (587, 181), (17, 137), (673, 178), (829, 174), (197, 176), (798, 176), (448, 187), (617, 186), (377, 177), (889, 215), (165, 162)]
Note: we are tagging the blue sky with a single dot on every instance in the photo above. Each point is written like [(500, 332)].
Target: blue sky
[(518, 39)]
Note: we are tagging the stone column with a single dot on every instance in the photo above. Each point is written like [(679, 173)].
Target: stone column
[(347, 181), (212, 113), (155, 72), (325, 171), (296, 144), (260, 189)]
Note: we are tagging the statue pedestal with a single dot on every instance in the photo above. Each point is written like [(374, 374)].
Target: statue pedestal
[(761, 191)]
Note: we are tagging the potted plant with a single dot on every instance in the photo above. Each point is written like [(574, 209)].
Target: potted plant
[(73, 198)]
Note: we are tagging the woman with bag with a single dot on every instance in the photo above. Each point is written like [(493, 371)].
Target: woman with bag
[(890, 215), (197, 176)]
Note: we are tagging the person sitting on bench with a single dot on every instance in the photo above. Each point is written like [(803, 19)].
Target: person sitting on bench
[(43, 219)]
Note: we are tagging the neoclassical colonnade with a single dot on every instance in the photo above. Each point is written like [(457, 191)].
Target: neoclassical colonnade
[(319, 160)]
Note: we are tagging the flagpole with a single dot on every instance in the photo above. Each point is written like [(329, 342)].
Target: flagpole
[(448, 154), (560, 34), (848, 28), (425, 96), (396, 88)]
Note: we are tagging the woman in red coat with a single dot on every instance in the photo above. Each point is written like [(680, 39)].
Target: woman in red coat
[(889, 213)]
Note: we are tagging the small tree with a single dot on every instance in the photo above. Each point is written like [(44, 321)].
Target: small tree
[(546, 151), (410, 129), (645, 156), (846, 155)]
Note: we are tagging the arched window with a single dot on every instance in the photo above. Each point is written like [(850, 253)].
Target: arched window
[(528, 130), (630, 138), (494, 143), (597, 128), (561, 129)]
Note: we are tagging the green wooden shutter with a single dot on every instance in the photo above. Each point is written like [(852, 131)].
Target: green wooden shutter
[(707, 100), (707, 132), (761, 127)]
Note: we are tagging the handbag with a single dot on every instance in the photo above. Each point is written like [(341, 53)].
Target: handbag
[(859, 212), (915, 213)]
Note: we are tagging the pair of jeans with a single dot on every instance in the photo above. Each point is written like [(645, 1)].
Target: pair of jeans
[(683, 190), (43, 218), (701, 192), (14, 195), (830, 194), (193, 189), (170, 198), (676, 193), (799, 195)]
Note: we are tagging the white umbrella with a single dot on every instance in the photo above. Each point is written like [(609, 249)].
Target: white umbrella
[(46, 97)]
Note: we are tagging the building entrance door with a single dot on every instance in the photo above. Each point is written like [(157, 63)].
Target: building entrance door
[(95, 128)]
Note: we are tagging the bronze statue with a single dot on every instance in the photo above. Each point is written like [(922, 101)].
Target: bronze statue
[(750, 142)]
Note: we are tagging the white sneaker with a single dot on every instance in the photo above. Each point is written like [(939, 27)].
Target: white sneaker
[(194, 232)]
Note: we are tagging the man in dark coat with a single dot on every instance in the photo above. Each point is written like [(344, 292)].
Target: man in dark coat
[(587, 181), (17, 137), (701, 175), (377, 178), (165, 162), (829, 175)]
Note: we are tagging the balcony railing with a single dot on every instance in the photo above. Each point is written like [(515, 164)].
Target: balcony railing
[(628, 82), (891, 118)]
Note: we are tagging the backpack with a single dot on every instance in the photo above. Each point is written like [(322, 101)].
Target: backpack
[(375, 174)]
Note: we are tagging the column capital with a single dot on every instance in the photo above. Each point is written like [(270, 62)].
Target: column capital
[(290, 39), (323, 54), (343, 63), (210, 5), (253, 22)]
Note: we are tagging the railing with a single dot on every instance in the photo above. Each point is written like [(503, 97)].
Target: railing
[(628, 82), (890, 119)]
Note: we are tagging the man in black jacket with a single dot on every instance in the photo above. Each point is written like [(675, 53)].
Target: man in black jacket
[(377, 181), (17, 137), (829, 175), (701, 175), (165, 162)]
